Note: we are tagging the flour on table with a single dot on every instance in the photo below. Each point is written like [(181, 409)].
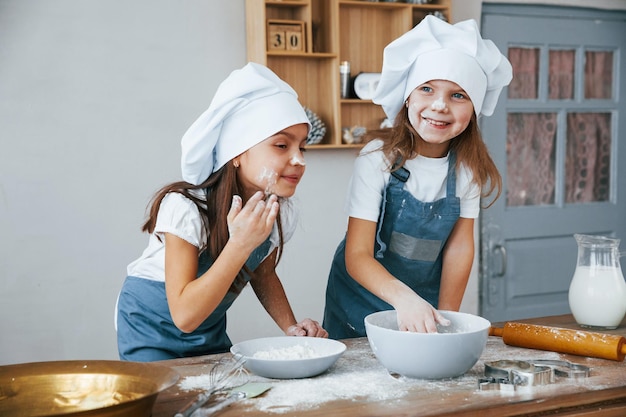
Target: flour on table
[(358, 375), (190, 383)]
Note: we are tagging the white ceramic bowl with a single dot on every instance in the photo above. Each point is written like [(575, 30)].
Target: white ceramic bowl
[(449, 353), (288, 357)]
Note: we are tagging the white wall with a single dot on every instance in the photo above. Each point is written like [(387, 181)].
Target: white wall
[(94, 97)]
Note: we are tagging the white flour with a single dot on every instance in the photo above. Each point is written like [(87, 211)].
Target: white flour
[(195, 382), (290, 352)]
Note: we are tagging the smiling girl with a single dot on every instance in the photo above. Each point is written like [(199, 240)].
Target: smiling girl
[(221, 227), (416, 188)]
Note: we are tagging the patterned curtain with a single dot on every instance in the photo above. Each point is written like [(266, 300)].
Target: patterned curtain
[(531, 139), (588, 157), (561, 75), (525, 62)]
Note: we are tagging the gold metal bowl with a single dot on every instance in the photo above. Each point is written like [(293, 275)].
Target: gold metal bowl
[(82, 388)]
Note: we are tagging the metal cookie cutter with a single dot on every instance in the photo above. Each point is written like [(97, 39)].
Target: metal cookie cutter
[(564, 368), (508, 375), (495, 384)]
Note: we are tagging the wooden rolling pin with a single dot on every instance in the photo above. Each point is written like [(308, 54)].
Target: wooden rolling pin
[(554, 339)]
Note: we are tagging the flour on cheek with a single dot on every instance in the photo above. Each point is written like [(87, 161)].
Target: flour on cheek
[(414, 116), (269, 177)]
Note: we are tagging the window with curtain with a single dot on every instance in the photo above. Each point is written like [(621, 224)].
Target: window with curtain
[(532, 137)]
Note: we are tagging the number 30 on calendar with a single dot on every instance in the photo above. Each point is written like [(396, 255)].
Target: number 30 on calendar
[(285, 35)]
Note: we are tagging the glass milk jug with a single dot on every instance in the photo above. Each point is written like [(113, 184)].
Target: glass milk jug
[(597, 293)]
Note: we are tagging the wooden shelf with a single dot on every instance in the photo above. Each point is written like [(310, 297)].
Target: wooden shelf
[(310, 55), (335, 30)]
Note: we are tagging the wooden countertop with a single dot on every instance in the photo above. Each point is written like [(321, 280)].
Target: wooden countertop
[(357, 385)]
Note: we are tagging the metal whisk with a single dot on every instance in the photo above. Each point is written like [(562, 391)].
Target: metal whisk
[(225, 374)]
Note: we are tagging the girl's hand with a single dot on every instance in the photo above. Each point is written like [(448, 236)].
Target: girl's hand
[(307, 327), (251, 224), (418, 315)]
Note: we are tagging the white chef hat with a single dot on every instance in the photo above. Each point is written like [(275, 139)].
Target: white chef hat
[(250, 105), (436, 50)]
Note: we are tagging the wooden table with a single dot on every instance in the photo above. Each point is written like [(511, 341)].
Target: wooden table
[(357, 385)]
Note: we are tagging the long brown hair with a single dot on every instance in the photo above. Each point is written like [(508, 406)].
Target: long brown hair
[(220, 188), (399, 144)]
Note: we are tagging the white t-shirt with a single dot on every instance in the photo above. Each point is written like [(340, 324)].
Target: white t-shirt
[(179, 216), (427, 183)]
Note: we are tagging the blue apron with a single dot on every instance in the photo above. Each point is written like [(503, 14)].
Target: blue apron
[(146, 331), (409, 241)]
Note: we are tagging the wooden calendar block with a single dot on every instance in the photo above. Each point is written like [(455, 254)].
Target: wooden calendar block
[(285, 35)]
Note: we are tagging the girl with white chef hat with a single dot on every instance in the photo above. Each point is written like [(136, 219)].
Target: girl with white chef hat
[(416, 188), (221, 227)]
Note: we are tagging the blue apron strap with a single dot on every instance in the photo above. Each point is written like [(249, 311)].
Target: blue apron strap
[(451, 184), (398, 178)]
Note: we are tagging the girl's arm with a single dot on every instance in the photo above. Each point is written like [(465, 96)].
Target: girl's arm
[(192, 300), (270, 292), (458, 256), (414, 313)]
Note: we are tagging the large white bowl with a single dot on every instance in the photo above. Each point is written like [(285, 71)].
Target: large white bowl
[(449, 353), (326, 351)]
